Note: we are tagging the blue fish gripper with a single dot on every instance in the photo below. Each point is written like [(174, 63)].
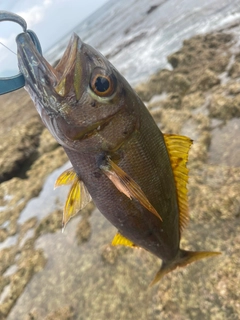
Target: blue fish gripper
[(9, 84)]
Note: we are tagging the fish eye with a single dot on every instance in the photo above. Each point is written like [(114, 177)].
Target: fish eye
[(102, 84)]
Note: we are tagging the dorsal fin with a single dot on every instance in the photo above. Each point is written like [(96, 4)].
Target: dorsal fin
[(121, 240), (78, 196), (178, 148)]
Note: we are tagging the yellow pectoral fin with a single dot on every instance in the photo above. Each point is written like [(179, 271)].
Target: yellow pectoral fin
[(125, 184), (78, 196), (65, 178), (178, 148), (121, 240)]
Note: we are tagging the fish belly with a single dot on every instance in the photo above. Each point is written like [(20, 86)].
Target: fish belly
[(145, 159)]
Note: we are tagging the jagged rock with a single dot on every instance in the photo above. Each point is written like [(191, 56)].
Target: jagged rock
[(234, 71), (223, 107), (206, 80), (193, 100), (18, 149), (220, 64)]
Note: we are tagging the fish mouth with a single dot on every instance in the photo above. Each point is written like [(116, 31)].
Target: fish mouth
[(45, 83), (54, 89)]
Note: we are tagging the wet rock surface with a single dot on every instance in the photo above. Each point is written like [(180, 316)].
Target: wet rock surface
[(45, 274)]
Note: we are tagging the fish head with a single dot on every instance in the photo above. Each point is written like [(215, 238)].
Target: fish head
[(83, 97)]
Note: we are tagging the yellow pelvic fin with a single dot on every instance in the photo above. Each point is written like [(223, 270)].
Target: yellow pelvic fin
[(78, 196), (185, 258), (125, 184), (178, 148), (121, 240), (65, 178)]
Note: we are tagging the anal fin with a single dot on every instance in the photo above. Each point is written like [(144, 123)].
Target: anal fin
[(121, 240)]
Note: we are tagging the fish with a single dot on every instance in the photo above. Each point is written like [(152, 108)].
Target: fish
[(136, 175)]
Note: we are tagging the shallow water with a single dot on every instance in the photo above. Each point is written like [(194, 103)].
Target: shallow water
[(137, 43), (48, 200), (9, 242), (4, 293)]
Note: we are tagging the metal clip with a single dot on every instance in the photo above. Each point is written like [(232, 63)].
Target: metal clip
[(8, 84)]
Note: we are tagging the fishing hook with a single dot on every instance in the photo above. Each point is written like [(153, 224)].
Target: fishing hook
[(8, 84)]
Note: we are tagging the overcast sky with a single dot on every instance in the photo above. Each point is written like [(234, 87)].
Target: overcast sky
[(49, 19)]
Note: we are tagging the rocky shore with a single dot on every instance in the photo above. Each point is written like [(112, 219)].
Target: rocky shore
[(199, 97)]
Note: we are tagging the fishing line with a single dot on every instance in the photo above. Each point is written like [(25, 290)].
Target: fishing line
[(7, 48)]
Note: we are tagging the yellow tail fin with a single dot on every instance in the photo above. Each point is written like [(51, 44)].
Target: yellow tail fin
[(183, 259)]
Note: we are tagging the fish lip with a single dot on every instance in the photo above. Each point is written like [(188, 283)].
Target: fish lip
[(31, 63), (41, 79)]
